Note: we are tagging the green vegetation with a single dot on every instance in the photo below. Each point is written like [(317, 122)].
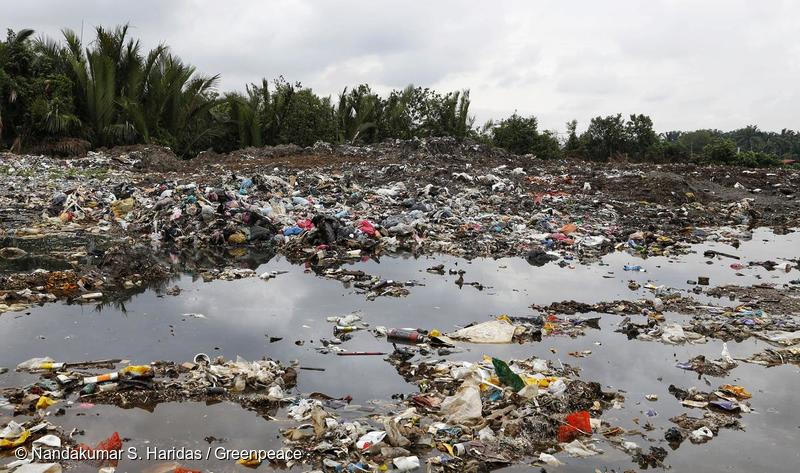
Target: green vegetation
[(60, 96)]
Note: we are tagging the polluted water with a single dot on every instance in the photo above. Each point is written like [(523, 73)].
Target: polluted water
[(335, 340)]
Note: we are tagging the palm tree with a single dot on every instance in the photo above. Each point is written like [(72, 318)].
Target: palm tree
[(357, 113), (12, 47)]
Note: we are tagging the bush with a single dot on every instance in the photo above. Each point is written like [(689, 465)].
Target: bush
[(754, 159), (520, 135)]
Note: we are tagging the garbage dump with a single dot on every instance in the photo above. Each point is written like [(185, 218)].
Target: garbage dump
[(422, 305)]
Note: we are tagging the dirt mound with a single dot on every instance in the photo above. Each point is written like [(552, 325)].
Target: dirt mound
[(123, 261), (149, 157), (62, 148)]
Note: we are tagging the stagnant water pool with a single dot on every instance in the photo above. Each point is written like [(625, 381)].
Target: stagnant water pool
[(243, 316)]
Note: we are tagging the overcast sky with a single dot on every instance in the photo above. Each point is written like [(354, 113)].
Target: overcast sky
[(687, 63)]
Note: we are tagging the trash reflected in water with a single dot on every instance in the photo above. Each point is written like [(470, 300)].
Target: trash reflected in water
[(601, 373)]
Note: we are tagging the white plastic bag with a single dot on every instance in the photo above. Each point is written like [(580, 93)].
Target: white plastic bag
[(494, 331), (464, 407)]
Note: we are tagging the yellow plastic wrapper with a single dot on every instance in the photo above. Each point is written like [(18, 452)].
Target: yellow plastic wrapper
[(5, 443), (541, 382), (737, 391), (44, 402), (251, 462), (137, 370)]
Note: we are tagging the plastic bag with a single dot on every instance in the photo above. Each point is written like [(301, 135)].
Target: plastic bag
[(369, 439), (738, 391), (577, 424), (507, 377), (578, 449), (393, 435), (464, 407), (673, 333), (45, 363), (406, 463), (44, 402), (550, 459), (557, 388), (15, 441), (495, 331)]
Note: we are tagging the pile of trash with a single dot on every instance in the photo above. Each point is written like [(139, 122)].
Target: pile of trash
[(420, 196), (464, 417), (113, 271), (252, 384)]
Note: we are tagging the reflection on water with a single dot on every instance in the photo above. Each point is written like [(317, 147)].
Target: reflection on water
[(243, 316)]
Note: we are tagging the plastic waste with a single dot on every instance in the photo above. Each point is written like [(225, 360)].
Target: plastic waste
[(578, 449), (578, 423), (44, 402), (101, 378), (348, 319), (701, 435), (13, 440), (465, 406), (48, 441), (405, 336), (495, 331), (112, 443), (636, 268), (557, 388), (486, 434), (39, 468), (738, 391), (251, 461), (45, 363), (673, 333), (393, 435), (369, 439), (139, 371), (550, 459), (345, 329), (406, 463), (507, 377), (673, 435), (366, 227)]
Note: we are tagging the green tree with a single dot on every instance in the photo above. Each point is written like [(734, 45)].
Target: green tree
[(357, 114), (516, 133), (640, 136), (448, 115), (573, 143), (605, 137), (520, 135), (720, 151), (696, 140)]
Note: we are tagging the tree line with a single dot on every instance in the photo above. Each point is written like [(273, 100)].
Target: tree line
[(110, 91)]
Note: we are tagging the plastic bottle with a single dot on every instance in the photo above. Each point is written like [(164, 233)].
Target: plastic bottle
[(344, 329), (406, 336), (101, 378), (39, 364)]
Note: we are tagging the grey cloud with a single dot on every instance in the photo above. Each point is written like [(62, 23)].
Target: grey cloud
[(716, 63)]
